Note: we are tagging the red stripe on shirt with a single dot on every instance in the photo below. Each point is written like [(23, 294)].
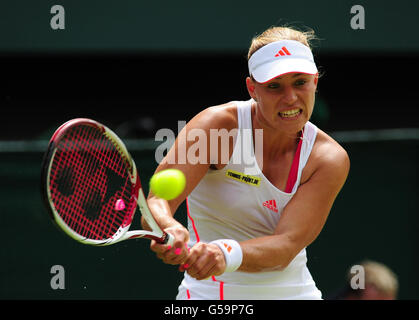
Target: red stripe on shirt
[(193, 222), (197, 239), (292, 177)]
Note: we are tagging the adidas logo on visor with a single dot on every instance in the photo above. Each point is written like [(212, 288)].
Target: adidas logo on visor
[(283, 52)]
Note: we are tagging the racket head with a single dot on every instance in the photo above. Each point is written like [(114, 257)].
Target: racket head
[(90, 182)]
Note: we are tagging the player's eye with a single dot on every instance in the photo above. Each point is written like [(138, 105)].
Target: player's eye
[(273, 85), (300, 82)]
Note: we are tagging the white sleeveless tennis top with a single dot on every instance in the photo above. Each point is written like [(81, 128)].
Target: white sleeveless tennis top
[(238, 202)]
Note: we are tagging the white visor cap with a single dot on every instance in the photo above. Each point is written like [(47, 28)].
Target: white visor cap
[(281, 57)]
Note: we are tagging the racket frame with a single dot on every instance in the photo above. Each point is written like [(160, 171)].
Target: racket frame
[(122, 233)]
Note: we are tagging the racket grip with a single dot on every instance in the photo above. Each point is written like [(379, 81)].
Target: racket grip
[(169, 239)]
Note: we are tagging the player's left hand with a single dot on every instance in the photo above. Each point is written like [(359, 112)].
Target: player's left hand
[(204, 260)]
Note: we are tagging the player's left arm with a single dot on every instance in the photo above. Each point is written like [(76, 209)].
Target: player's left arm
[(301, 220), (304, 216)]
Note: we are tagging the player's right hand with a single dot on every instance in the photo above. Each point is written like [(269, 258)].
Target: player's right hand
[(177, 253)]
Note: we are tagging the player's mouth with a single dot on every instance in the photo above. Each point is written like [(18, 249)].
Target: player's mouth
[(290, 114)]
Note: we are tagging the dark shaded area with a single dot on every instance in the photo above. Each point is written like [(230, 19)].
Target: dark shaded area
[(137, 94)]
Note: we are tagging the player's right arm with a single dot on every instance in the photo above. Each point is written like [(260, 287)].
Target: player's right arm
[(220, 117)]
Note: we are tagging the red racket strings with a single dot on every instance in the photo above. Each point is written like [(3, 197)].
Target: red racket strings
[(88, 177)]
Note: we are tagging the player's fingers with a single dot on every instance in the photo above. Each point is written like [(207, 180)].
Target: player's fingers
[(206, 271), (176, 255), (179, 251), (190, 260), (158, 247), (198, 260), (161, 251), (169, 254), (201, 269), (180, 235), (217, 270), (209, 261), (212, 271)]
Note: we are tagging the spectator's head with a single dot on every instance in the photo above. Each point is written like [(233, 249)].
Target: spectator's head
[(380, 283)]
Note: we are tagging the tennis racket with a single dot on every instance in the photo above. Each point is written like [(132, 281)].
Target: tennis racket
[(91, 186)]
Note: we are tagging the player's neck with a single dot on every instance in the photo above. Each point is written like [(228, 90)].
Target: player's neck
[(277, 145)]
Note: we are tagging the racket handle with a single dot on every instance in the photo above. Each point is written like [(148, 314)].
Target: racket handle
[(169, 239)]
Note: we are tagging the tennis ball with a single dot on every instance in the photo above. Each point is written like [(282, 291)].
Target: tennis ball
[(168, 184)]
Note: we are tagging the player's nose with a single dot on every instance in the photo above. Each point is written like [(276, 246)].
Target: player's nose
[(289, 95)]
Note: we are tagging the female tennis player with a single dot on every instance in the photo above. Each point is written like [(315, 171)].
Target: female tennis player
[(250, 221)]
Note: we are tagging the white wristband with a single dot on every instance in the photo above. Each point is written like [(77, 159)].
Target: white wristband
[(232, 253)]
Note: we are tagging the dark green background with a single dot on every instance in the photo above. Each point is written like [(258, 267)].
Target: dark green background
[(217, 25)]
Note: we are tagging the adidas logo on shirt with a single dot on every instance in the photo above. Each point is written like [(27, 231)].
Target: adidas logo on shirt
[(271, 205)]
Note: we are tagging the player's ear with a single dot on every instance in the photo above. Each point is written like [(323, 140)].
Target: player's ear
[(250, 84), (316, 78)]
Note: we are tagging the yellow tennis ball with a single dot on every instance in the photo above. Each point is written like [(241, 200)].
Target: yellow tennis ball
[(168, 184)]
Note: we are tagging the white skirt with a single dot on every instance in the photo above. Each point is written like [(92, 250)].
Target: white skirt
[(214, 289)]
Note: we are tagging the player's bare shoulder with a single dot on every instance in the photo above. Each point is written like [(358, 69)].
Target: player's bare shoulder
[(218, 122), (220, 116), (330, 150), (327, 156)]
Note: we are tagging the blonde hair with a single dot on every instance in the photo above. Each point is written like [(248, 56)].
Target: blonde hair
[(381, 277), (280, 33)]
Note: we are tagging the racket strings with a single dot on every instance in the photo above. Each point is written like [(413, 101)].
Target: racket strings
[(88, 175)]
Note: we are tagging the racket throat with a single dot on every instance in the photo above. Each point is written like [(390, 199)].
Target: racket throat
[(142, 234)]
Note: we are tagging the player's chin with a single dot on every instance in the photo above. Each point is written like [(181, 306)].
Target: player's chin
[(293, 127)]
